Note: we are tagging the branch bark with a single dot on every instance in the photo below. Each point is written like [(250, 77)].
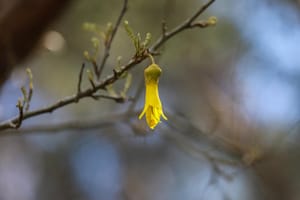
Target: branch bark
[(89, 92), (111, 38)]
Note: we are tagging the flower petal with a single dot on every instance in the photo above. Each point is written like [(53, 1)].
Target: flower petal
[(152, 108)]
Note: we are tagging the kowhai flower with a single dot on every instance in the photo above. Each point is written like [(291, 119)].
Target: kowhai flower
[(153, 107)]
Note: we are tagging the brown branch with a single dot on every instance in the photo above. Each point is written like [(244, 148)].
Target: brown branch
[(195, 150), (95, 67), (20, 118), (92, 83), (200, 24), (100, 122), (110, 40), (19, 121), (27, 105), (74, 98), (185, 25), (80, 78), (117, 99), (89, 92)]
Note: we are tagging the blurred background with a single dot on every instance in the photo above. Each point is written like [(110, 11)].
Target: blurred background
[(231, 93)]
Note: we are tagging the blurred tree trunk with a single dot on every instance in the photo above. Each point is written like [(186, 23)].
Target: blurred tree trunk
[(22, 22)]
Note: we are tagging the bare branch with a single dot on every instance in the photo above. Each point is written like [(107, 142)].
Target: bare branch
[(185, 25), (117, 99), (80, 78), (27, 105), (18, 123), (74, 98), (200, 24), (111, 38), (164, 28), (101, 122), (90, 92), (95, 67)]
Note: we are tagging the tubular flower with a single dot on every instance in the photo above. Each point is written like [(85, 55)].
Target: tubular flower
[(153, 107)]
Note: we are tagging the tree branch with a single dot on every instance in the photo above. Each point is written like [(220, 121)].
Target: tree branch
[(101, 122), (111, 38), (80, 78), (89, 92), (187, 24), (74, 98)]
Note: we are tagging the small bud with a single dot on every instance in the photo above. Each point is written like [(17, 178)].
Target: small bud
[(90, 75), (109, 28), (147, 40), (24, 92), (86, 55), (89, 26), (119, 58), (30, 76), (212, 20), (19, 104), (129, 31), (95, 42), (111, 91)]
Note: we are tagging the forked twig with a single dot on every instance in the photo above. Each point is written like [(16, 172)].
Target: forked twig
[(101, 85), (111, 38)]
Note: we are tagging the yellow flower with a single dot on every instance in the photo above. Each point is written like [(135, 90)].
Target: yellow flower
[(153, 107)]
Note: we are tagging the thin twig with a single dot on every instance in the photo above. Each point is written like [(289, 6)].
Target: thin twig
[(117, 99), (80, 78), (200, 24), (178, 137), (111, 38), (18, 123), (185, 25), (27, 94), (95, 67), (74, 98), (100, 122), (89, 92), (27, 105), (92, 83)]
